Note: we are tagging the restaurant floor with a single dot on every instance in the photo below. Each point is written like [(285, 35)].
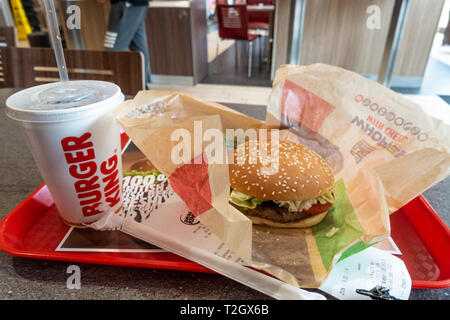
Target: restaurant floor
[(436, 80), (223, 69)]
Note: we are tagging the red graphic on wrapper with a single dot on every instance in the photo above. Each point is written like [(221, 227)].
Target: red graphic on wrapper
[(80, 155), (303, 107), (110, 171), (191, 183)]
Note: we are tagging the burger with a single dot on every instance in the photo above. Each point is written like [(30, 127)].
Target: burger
[(141, 167), (297, 194)]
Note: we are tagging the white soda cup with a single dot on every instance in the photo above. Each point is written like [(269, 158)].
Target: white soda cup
[(75, 141)]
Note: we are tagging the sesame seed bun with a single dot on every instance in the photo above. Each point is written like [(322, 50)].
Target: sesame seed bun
[(301, 173)]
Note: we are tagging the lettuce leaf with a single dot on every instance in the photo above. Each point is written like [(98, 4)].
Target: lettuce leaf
[(243, 200), (249, 202)]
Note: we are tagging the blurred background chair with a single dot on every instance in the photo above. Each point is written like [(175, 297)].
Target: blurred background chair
[(26, 67), (259, 22), (259, 19), (233, 24)]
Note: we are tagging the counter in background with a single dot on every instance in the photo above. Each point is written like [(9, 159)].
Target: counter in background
[(176, 32)]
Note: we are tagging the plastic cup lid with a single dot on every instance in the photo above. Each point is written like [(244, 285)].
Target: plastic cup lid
[(55, 102)]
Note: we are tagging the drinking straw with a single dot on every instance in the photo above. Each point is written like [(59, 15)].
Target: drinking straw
[(55, 37)]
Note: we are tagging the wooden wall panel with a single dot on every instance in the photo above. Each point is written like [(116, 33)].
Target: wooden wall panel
[(169, 41), (335, 32), (199, 44), (415, 46), (282, 33)]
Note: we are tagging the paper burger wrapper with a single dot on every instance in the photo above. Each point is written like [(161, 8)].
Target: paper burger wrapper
[(156, 120), (384, 151), (384, 147)]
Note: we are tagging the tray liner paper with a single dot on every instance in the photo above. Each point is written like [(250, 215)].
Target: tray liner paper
[(384, 151)]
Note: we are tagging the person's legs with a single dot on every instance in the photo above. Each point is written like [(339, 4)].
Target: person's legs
[(122, 26), (139, 43), (126, 30)]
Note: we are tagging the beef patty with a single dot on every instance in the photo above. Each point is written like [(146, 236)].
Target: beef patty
[(272, 211)]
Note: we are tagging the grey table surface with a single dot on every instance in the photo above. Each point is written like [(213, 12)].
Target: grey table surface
[(22, 278)]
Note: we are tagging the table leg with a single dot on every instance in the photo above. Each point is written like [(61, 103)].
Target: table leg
[(250, 53)]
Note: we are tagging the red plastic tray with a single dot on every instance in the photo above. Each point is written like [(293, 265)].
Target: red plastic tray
[(34, 230), (424, 240)]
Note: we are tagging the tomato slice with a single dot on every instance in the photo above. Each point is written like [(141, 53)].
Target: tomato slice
[(318, 208)]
